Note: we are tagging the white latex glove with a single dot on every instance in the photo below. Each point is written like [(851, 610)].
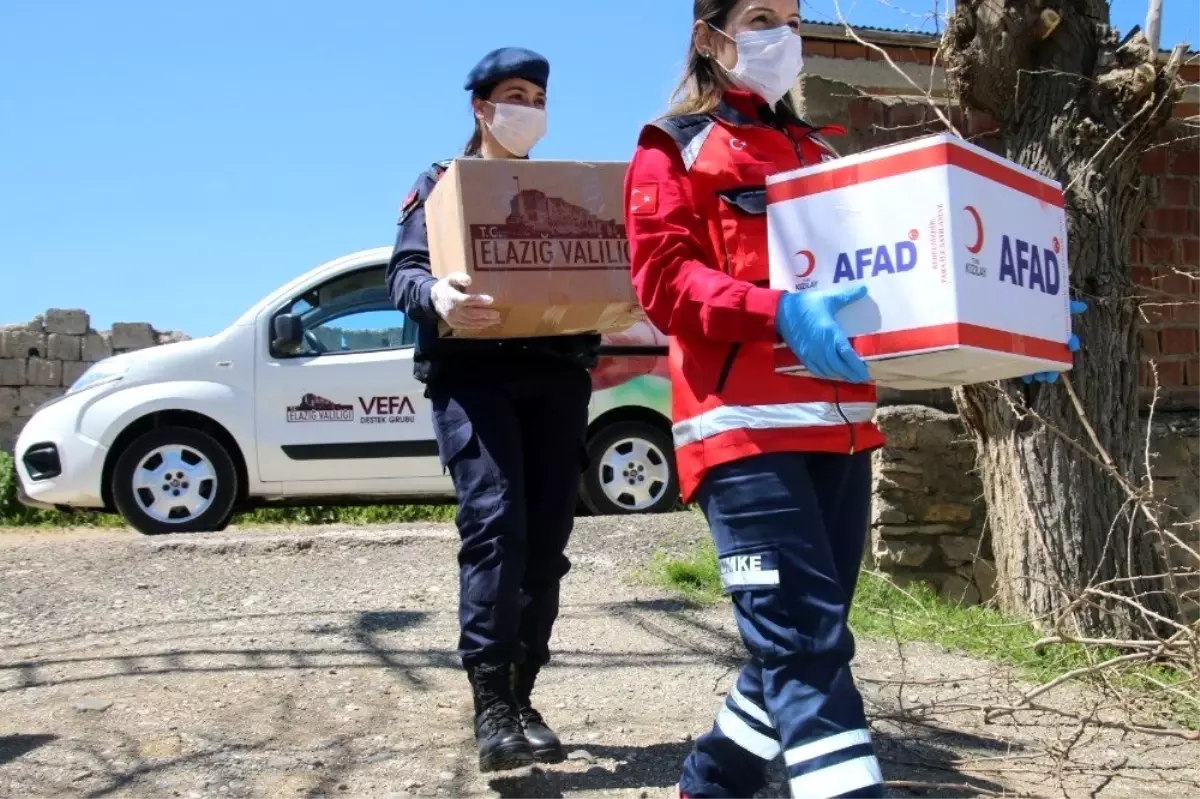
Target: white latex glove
[(460, 310)]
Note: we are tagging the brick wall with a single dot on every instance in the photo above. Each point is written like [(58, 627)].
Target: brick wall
[(851, 51), (1165, 258), (41, 358)]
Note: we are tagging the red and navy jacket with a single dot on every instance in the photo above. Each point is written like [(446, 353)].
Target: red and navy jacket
[(696, 219)]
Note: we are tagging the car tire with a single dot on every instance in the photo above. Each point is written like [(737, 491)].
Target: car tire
[(631, 469), (175, 480)]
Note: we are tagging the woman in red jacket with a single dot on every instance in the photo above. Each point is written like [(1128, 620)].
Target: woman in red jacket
[(780, 465)]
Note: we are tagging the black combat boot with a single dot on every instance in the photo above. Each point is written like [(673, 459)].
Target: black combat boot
[(502, 744), (547, 748)]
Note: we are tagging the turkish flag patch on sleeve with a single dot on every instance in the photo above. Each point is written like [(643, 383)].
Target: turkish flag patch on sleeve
[(406, 207), (643, 200)]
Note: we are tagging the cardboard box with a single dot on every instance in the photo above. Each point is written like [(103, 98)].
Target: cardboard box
[(964, 255), (546, 239)]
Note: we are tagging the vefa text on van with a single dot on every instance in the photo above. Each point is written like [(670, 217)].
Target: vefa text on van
[(387, 410)]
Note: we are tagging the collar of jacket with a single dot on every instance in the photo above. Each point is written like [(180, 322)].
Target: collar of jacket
[(739, 107)]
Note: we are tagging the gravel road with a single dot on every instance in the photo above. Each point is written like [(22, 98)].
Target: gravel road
[(319, 662)]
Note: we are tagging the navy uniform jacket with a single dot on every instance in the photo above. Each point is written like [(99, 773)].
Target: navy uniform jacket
[(410, 282)]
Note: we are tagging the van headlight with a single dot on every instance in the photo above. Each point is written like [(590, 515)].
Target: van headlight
[(99, 374)]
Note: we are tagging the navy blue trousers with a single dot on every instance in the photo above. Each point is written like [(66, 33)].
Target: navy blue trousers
[(513, 442), (789, 529)]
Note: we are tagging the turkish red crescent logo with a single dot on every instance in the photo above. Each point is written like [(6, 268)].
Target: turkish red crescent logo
[(1057, 246), (810, 263), (643, 200), (978, 245)]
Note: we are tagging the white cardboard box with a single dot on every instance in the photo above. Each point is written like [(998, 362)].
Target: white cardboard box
[(964, 255)]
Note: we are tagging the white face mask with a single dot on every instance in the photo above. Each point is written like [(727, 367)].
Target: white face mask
[(518, 127), (769, 62)]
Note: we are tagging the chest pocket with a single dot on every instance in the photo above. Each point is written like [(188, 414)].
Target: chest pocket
[(743, 217)]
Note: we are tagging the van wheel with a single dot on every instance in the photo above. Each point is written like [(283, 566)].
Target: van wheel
[(175, 480), (631, 470)]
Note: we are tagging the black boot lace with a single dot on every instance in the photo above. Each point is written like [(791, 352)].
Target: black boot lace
[(496, 712), (523, 681), (497, 717), (530, 717)]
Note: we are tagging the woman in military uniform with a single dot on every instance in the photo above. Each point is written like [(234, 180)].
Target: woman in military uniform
[(510, 416)]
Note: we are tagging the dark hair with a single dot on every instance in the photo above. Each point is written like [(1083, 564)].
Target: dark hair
[(703, 84), (475, 143)]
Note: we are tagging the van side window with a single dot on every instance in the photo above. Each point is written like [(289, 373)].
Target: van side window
[(351, 313)]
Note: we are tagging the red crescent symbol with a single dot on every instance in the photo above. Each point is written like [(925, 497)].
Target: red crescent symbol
[(810, 264), (975, 248)]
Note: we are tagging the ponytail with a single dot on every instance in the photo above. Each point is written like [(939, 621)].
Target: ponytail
[(475, 143)]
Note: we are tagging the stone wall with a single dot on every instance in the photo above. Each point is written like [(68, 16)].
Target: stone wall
[(927, 508), (40, 359), (927, 519)]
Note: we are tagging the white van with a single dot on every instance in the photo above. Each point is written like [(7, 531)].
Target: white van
[(308, 398)]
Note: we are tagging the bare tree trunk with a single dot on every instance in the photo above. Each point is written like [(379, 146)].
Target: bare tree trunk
[(1154, 24), (1072, 105)]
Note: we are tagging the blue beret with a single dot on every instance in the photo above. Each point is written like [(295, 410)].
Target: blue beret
[(509, 62)]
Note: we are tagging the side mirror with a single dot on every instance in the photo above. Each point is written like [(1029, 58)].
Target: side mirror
[(288, 333)]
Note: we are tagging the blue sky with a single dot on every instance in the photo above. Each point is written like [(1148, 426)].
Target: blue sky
[(171, 162)]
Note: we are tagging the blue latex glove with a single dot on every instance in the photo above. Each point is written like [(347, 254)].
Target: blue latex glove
[(1077, 307), (806, 324)]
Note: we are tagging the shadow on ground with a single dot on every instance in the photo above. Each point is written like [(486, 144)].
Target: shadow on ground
[(14, 746), (659, 765)]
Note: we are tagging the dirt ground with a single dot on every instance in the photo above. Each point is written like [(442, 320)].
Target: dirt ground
[(319, 662)]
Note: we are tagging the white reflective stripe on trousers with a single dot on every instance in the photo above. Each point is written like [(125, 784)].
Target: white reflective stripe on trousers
[(749, 708), (745, 736), (840, 778), (824, 746), (770, 417), (851, 775)]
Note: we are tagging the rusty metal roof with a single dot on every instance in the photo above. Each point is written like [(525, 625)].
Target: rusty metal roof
[(878, 35)]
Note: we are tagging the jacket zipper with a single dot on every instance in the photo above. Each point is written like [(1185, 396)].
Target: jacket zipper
[(795, 146), (782, 128), (727, 366), (837, 403)]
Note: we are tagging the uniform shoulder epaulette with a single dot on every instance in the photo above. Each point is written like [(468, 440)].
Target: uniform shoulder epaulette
[(420, 191), (689, 132), (685, 128)]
